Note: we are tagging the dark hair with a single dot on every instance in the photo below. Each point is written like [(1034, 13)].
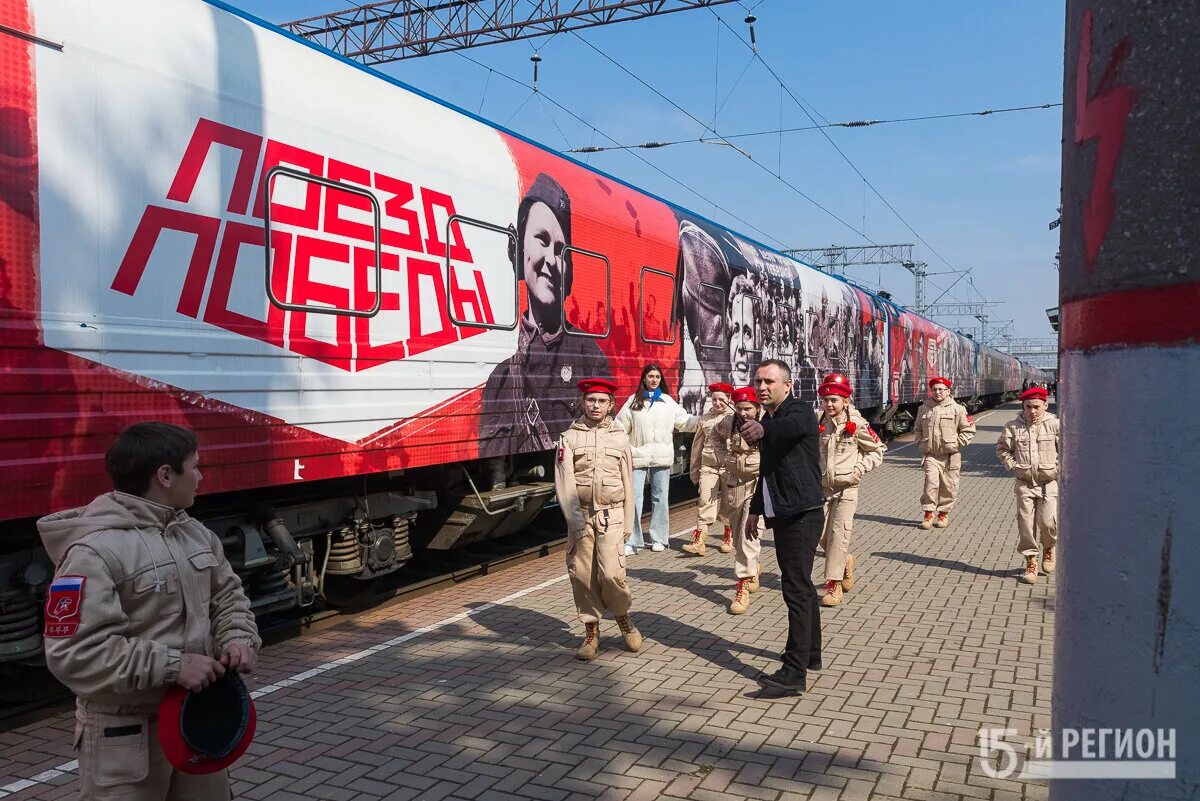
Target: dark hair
[(639, 398), (782, 365), (142, 448)]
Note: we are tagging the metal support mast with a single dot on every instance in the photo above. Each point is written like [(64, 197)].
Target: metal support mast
[(376, 33)]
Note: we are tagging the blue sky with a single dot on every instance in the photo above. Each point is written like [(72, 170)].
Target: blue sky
[(979, 190)]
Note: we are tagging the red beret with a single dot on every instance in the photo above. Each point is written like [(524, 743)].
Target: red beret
[(937, 379), (834, 389), (721, 386), (206, 731), (835, 378), (746, 395), (597, 385), (1034, 392)]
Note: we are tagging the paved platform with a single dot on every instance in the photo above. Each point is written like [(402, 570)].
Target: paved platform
[(474, 692)]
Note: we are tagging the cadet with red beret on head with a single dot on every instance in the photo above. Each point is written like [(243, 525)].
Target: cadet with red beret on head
[(741, 468), (594, 482), (1029, 449), (708, 456), (849, 449), (943, 429)]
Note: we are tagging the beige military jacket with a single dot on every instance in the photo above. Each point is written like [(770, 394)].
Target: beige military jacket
[(943, 428), (741, 459), (594, 471), (847, 457), (156, 585), (1030, 452), (708, 447)]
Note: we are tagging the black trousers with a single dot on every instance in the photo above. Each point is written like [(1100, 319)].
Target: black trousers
[(796, 539)]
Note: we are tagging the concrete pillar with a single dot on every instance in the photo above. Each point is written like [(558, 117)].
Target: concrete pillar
[(1127, 640)]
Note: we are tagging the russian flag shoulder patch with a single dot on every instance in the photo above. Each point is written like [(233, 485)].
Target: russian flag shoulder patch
[(64, 606)]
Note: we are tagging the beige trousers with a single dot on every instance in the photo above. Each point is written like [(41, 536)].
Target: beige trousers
[(1037, 517), (708, 508), (941, 482), (596, 564), (835, 539), (736, 500), (120, 758)]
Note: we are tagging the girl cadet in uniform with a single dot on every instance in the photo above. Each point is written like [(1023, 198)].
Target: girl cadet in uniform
[(707, 462), (740, 475), (849, 449), (594, 482)]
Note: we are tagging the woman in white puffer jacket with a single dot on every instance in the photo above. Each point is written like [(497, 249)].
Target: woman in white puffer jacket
[(651, 418)]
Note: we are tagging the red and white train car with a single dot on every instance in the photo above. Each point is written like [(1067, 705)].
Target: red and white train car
[(409, 342)]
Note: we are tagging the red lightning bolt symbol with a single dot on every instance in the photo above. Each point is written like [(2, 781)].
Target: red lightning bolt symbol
[(1102, 118)]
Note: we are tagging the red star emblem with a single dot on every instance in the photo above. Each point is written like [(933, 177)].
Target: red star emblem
[(1102, 117)]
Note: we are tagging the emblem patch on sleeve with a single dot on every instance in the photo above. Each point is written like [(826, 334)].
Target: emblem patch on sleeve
[(64, 604), (561, 453)]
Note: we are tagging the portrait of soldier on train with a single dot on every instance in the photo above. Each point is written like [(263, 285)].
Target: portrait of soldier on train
[(529, 399)]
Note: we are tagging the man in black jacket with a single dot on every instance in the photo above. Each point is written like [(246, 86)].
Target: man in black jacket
[(789, 495)]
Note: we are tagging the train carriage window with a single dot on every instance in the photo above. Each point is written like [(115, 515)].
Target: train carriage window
[(785, 321), (490, 265), (656, 306), (587, 294), (713, 296), (326, 273), (749, 328)]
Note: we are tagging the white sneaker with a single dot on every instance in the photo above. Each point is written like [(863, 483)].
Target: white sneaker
[(629, 551), (658, 546)]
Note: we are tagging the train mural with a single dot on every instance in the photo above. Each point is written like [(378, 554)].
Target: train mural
[(371, 306)]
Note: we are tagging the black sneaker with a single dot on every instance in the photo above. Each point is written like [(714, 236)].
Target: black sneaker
[(784, 679)]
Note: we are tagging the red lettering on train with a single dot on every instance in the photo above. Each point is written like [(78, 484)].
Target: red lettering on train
[(322, 253)]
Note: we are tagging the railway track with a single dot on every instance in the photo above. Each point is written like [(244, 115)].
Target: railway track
[(39, 696)]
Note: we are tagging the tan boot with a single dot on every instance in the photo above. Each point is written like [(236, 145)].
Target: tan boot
[(741, 598), (753, 584), (833, 593), (696, 546), (848, 577), (942, 521), (726, 545), (633, 637), (927, 522), (1031, 570), (1048, 564), (591, 642)]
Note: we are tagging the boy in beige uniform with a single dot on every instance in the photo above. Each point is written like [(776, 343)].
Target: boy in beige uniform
[(849, 450), (594, 482), (741, 465), (943, 429), (708, 453), (143, 598), (1029, 449)]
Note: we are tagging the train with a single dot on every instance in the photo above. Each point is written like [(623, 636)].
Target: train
[(372, 306)]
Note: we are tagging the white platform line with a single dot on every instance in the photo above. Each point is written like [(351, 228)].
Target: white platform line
[(69, 767)]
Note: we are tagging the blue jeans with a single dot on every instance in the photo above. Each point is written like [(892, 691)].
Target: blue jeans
[(660, 526)]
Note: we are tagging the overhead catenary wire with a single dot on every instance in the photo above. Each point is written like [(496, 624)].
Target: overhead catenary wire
[(825, 133), (717, 136), (647, 162), (853, 124)]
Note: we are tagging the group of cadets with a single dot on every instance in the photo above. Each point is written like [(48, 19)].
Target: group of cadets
[(594, 484), (145, 610)]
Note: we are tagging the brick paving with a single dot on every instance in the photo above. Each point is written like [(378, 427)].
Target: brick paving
[(937, 640)]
